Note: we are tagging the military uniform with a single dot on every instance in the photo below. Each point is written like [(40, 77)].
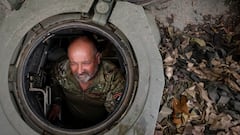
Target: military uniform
[(99, 99)]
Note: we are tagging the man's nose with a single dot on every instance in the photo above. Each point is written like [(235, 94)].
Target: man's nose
[(79, 69)]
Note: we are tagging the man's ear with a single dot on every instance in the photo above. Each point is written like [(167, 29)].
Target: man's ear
[(98, 57)]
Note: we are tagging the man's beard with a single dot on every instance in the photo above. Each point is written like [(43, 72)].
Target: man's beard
[(85, 76)]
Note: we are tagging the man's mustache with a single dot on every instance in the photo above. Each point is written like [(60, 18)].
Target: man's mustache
[(83, 74)]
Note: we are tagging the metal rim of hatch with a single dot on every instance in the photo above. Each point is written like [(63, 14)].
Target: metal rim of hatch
[(123, 47)]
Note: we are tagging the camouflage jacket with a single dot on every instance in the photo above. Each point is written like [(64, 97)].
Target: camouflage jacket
[(103, 94)]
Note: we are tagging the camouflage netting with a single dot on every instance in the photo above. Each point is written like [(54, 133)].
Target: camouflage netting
[(202, 74)]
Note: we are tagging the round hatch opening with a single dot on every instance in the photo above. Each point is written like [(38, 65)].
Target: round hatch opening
[(44, 46)]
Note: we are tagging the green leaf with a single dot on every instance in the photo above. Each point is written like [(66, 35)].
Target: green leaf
[(199, 41)]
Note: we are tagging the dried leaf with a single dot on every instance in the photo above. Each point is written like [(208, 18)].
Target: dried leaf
[(175, 53), (235, 75), (215, 62), (212, 56), (170, 57), (157, 132), (190, 65), (223, 133), (198, 130), (180, 110), (202, 65), (204, 95), (191, 68), (229, 37), (185, 118), (203, 73), (203, 92), (199, 41), (223, 100), (169, 60), (165, 111), (169, 72), (221, 121), (185, 42), (228, 59), (232, 84), (218, 70), (234, 66), (191, 104), (212, 118), (188, 55), (191, 91), (209, 75), (177, 121), (235, 130), (188, 129), (195, 114), (170, 31)]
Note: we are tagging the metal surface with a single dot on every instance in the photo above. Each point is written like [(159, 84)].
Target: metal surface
[(141, 2), (102, 11), (14, 4), (62, 25), (180, 13), (144, 111), (46, 94), (6, 127), (129, 19), (13, 28)]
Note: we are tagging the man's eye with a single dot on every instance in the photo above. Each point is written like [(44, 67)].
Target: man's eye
[(86, 63), (72, 64)]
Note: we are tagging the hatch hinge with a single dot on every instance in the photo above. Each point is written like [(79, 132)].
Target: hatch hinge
[(102, 11), (13, 4)]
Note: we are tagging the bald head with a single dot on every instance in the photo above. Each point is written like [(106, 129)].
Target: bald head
[(82, 44), (83, 58)]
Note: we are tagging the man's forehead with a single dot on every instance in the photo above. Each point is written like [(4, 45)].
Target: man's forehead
[(82, 42), (81, 59), (81, 48)]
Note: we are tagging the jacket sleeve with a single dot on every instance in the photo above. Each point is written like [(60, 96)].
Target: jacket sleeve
[(57, 74), (116, 90)]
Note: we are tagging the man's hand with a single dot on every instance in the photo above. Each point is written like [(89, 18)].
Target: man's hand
[(54, 112)]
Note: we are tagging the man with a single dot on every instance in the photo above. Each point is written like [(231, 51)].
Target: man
[(91, 87)]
